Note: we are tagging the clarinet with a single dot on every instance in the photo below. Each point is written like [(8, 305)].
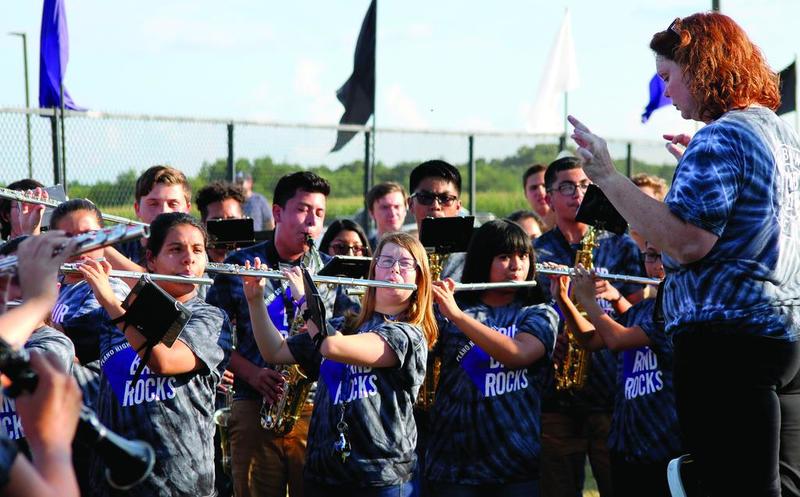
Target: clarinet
[(128, 462)]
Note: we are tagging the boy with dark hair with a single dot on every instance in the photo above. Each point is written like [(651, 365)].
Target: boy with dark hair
[(530, 222), (536, 193), (575, 423), (435, 187), (263, 463), (387, 206), (219, 200)]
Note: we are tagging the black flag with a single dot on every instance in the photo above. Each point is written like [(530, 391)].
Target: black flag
[(788, 86), (358, 93)]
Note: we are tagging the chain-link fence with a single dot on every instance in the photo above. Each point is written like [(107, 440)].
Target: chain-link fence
[(101, 155)]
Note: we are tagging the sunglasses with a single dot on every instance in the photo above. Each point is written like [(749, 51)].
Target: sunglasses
[(344, 249), (427, 198)]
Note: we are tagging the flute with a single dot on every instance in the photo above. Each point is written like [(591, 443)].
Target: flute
[(236, 270), (30, 199)]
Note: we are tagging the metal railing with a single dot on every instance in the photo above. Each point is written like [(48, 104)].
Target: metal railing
[(104, 152)]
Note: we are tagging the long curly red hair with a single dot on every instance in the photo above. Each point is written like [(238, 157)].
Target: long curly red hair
[(724, 69)]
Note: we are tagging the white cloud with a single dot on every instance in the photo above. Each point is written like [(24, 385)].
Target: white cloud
[(403, 110), (320, 103)]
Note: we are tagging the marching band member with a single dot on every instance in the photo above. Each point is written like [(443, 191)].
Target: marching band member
[(263, 463), (44, 339), (362, 437), (171, 404), (576, 423), (730, 236), (80, 316), (644, 433), (485, 421)]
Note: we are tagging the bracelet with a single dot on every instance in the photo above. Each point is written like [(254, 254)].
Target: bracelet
[(299, 303)]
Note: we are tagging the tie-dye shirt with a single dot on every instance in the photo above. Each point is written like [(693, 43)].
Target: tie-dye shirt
[(42, 340), (644, 428), (377, 404), (740, 180), (616, 254), (485, 421), (172, 413)]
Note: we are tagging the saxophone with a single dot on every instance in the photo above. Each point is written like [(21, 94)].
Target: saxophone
[(221, 419), (427, 391), (572, 372), (281, 416)]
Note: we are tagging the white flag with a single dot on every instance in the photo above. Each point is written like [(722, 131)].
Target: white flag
[(560, 75)]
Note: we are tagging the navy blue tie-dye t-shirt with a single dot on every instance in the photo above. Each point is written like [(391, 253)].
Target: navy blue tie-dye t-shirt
[(485, 421), (740, 180), (644, 427), (377, 404)]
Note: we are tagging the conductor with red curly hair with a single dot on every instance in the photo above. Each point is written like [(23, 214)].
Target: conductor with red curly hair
[(730, 234)]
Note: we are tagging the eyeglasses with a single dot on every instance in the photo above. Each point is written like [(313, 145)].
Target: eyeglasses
[(427, 198), (651, 256), (386, 262), (344, 249), (568, 188)]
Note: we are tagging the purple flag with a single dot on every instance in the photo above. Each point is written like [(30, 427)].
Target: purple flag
[(657, 98), (53, 56)]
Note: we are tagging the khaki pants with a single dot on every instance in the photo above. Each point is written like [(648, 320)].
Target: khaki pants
[(262, 464), (566, 441)]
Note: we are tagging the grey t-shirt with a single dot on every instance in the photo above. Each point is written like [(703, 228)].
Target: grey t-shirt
[(377, 405), (258, 208), (43, 340), (172, 413)]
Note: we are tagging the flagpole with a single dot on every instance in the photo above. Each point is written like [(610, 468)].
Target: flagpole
[(566, 122), (796, 111), (63, 142)]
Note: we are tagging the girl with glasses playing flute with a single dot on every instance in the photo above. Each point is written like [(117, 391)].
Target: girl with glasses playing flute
[(362, 435)]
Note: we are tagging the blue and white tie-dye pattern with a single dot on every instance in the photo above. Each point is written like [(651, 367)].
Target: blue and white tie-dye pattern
[(740, 180)]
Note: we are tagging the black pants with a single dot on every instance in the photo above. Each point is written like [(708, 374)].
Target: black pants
[(638, 479), (738, 401)]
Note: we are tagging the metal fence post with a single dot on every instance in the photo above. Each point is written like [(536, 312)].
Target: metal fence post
[(472, 175), (367, 180), (629, 160), (231, 169), (56, 148)]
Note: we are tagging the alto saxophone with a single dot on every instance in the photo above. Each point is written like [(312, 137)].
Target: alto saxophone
[(427, 391), (222, 417), (572, 372), (281, 416)]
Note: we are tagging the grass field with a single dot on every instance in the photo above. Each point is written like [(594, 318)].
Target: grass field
[(499, 203)]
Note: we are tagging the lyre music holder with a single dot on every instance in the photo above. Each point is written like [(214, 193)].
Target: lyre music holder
[(445, 235), (596, 210)]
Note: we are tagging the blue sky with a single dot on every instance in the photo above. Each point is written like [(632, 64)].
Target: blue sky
[(441, 64)]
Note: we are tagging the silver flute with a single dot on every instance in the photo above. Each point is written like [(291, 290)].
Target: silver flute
[(624, 278), (86, 242), (72, 268), (31, 199), (236, 270)]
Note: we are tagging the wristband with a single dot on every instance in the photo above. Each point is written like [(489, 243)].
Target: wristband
[(299, 303), (318, 339)]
